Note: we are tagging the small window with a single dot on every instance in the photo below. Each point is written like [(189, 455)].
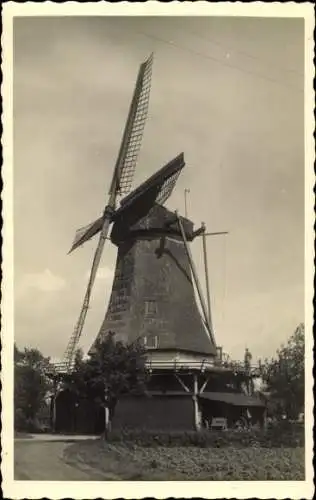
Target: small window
[(151, 342), (150, 307), (219, 353)]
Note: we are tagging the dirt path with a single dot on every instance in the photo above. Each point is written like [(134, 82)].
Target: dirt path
[(40, 460)]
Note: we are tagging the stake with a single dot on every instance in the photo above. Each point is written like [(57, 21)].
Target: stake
[(186, 191)]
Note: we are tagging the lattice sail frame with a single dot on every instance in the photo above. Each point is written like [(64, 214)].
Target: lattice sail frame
[(167, 188), (133, 133)]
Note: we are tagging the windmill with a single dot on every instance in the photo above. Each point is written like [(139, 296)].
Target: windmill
[(120, 185), (153, 295)]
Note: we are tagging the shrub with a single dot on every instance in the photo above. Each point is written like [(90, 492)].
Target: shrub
[(289, 436), (24, 424)]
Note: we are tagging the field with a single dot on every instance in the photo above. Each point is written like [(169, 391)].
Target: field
[(133, 462)]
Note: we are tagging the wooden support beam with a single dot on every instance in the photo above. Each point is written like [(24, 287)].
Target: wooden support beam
[(216, 233), (196, 279), (182, 383), (204, 385), (197, 415), (186, 192), (208, 293)]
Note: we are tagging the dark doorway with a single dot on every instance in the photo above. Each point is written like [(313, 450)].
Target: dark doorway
[(77, 415)]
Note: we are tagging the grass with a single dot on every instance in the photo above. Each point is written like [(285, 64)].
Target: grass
[(132, 462)]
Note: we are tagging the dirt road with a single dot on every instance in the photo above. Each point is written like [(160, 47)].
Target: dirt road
[(43, 460)]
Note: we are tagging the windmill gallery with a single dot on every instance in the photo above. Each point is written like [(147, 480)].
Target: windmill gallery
[(153, 298)]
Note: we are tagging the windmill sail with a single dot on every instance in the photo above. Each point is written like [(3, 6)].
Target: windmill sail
[(167, 187), (133, 132), (129, 149), (74, 339), (121, 183), (85, 233)]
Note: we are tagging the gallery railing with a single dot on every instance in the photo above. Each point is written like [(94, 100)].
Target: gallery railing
[(217, 365)]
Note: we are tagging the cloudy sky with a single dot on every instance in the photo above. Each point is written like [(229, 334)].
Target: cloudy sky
[(228, 92)]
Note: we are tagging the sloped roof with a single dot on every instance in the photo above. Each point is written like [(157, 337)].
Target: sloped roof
[(232, 398)]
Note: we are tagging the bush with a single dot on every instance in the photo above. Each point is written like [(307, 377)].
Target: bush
[(278, 436), (24, 424)]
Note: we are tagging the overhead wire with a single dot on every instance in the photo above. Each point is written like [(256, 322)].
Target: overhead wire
[(218, 61), (246, 54)]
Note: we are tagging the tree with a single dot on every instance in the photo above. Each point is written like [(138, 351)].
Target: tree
[(284, 375), (113, 369), (30, 385)]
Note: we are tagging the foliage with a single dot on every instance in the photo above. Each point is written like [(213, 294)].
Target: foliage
[(277, 436), (112, 369), (30, 387), (284, 375), (133, 462)]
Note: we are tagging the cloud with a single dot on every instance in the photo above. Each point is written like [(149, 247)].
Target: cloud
[(44, 281), (103, 273)]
